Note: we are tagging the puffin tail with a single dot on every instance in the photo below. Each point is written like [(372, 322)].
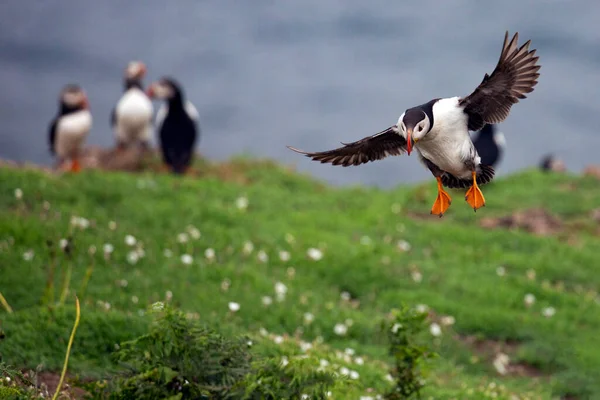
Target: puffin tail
[(485, 174)]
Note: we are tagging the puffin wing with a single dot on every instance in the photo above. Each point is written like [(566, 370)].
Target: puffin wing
[(52, 135), (372, 148), (113, 117), (515, 74)]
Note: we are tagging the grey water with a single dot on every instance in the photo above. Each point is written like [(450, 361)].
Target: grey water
[(309, 73)]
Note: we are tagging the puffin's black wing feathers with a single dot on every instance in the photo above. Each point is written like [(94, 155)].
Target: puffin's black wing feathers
[(52, 135), (515, 74), (113, 117), (371, 148)]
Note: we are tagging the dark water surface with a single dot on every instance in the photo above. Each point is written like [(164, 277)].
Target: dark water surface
[(309, 73)]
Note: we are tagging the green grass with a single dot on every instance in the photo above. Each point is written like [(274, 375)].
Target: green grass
[(357, 230)]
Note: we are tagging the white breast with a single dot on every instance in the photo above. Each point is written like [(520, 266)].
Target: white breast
[(134, 116), (71, 132), (448, 143)]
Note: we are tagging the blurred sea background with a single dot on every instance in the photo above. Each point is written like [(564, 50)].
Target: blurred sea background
[(309, 73)]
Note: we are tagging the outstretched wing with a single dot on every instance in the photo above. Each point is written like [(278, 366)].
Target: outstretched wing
[(515, 74), (372, 148)]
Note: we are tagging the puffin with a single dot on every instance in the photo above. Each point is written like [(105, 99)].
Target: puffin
[(176, 123), (490, 144), (131, 118), (439, 129), (71, 126)]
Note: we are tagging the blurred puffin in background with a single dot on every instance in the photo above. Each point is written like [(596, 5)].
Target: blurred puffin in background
[(176, 124), (131, 118), (71, 126), (490, 145)]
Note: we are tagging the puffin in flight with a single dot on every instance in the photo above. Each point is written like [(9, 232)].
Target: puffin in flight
[(69, 129), (176, 123), (439, 129), (131, 118), (490, 144)]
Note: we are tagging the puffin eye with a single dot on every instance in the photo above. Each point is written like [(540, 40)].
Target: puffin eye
[(420, 128)]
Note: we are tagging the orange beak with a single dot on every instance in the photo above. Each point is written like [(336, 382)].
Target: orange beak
[(150, 91), (409, 141), (85, 103)]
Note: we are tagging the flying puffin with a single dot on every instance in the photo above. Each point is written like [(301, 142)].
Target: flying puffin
[(176, 123), (69, 129), (439, 129), (490, 144), (131, 118)]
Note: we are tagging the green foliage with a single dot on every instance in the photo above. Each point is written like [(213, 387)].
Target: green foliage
[(14, 385), (409, 353)]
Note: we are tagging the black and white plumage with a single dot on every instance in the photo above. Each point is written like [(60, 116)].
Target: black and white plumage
[(176, 123), (490, 144), (131, 118), (439, 129), (70, 128)]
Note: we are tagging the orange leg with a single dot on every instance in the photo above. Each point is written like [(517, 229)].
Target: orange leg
[(474, 196), (75, 166), (442, 202)]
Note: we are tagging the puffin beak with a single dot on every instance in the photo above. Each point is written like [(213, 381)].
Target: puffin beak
[(150, 91), (85, 103), (409, 140)]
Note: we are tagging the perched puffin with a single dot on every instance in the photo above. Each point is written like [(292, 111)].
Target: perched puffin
[(490, 144), (439, 129), (176, 123), (69, 129), (131, 118), (550, 163)]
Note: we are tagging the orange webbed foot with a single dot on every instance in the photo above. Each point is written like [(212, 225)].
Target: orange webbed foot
[(474, 196), (442, 202), (75, 166)]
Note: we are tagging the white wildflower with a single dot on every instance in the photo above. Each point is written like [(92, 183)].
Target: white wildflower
[(359, 361), (112, 225), (263, 332), (248, 247), (182, 238), (233, 306), (92, 250), (314, 254), (63, 243), (158, 306), (416, 276), (225, 284), (284, 256), (187, 259), (422, 308), (396, 327), (28, 255), (134, 299), (108, 248), (344, 371), (304, 396), (349, 322), (284, 361), (447, 320), (267, 300), (132, 257), (389, 378), (194, 232), (280, 289), (278, 339), (323, 363), (308, 318), (435, 329), (501, 362), (366, 398), (529, 299), (340, 329), (18, 193), (168, 295), (130, 240), (345, 296), (241, 203), (262, 256), (305, 346), (167, 253), (548, 312), (403, 245), (123, 283), (291, 272), (209, 254), (501, 271), (83, 223), (354, 375), (349, 351)]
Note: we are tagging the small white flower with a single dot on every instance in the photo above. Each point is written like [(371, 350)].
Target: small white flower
[(359, 361), (123, 283), (354, 375), (416, 276), (396, 327), (262, 256), (130, 240), (267, 300), (366, 398), (349, 351), (345, 296), (187, 259), (305, 346), (263, 332), (308, 318), (349, 322), (158, 306), (280, 288), (529, 299), (344, 371), (168, 253), (28, 255), (209, 254), (112, 225), (304, 396), (241, 203), (194, 232), (182, 238), (548, 312), (249, 343), (108, 248), (92, 250), (225, 284), (501, 271), (284, 361), (132, 257), (389, 378), (7, 379), (340, 329), (501, 361), (278, 339), (141, 253), (107, 306), (83, 223), (284, 256), (435, 329), (291, 272), (168, 295), (63, 243), (18, 194), (233, 306), (134, 299), (447, 320), (314, 254), (323, 363), (248, 247), (403, 245), (365, 241), (422, 308)]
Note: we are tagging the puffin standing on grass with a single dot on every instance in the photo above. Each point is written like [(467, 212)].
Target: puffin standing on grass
[(131, 118), (490, 144), (176, 123), (71, 126), (439, 129)]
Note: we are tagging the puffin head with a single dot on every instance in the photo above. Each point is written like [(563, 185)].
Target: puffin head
[(165, 89), (72, 97), (414, 124), (136, 70)]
